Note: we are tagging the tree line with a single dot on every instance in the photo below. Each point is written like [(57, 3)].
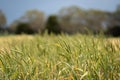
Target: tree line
[(69, 20)]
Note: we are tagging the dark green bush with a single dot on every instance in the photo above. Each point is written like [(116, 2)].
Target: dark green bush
[(24, 28), (114, 31), (52, 25)]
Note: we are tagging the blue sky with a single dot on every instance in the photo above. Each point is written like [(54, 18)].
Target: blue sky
[(13, 9)]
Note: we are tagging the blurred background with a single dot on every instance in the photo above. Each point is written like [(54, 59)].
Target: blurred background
[(60, 16)]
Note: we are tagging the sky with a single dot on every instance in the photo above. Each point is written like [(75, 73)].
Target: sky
[(13, 9)]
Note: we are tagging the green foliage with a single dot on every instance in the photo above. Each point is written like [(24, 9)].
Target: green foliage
[(52, 25), (24, 28), (113, 31), (63, 57)]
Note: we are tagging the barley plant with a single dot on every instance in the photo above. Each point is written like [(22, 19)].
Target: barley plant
[(62, 57)]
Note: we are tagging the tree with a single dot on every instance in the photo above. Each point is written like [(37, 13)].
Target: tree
[(96, 20), (117, 14), (114, 31), (52, 25), (35, 19), (118, 9), (72, 19), (24, 28), (13, 27), (2, 21)]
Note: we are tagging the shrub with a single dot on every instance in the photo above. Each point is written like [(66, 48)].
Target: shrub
[(24, 28), (52, 25), (114, 31)]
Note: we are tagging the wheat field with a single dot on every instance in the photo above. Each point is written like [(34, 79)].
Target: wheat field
[(62, 57)]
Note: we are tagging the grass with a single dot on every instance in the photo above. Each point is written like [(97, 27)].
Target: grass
[(63, 57)]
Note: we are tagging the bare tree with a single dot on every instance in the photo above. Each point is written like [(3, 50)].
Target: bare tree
[(35, 18), (2, 21)]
